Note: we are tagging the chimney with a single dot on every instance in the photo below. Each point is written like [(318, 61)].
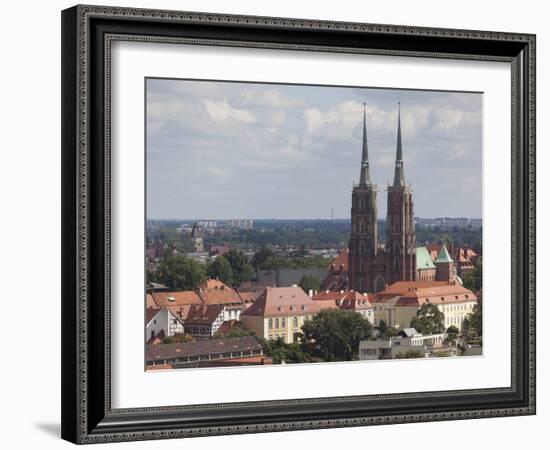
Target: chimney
[(310, 293)]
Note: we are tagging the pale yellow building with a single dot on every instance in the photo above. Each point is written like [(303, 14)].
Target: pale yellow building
[(400, 302), (279, 312)]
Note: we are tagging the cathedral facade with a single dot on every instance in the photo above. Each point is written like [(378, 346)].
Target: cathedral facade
[(372, 266)]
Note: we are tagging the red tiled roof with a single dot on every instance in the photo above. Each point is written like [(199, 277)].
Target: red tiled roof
[(227, 325), (250, 296), (156, 340), (418, 292), (203, 314), (341, 262), (176, 298), (282, 301), (150, 302), (215, 292), (341, 299), (219, 250), (150, 313)]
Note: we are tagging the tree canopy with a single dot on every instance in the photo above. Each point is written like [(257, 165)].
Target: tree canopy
[(429, 320), (179, 272), (221, 269), (282, 352), (474, 279), (334, 334), (474, 319), (233, 333), (309, 282), (242, 270)]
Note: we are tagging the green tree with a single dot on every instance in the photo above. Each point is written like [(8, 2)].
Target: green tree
[(452, 334), (221, 269), (309, 282), (261, 256), (409, 354), (474, 279), (242, 270), (233, 333), (334, 334), (382, 327), (282, 352), (178, 339), (429, 320), (181, 273), (474, 319)]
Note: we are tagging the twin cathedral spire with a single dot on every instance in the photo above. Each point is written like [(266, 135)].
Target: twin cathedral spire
[(373, 264), (399, 175)]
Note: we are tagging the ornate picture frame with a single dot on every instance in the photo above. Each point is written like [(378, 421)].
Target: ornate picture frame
[(87, 35)]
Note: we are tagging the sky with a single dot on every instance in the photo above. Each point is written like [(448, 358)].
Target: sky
[(224, 150)]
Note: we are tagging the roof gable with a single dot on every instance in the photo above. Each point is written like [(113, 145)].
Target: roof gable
[(423, 259)]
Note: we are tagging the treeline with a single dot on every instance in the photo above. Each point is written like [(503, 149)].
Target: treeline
[(302, 235), (180, 272)]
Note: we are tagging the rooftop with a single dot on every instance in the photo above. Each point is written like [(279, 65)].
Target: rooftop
[(282, 301), (171, 351)]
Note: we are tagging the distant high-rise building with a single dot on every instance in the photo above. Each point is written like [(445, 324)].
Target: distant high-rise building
[(243, 224)]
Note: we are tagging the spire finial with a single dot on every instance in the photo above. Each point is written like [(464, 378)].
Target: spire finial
[(364, 179), (399, 177)]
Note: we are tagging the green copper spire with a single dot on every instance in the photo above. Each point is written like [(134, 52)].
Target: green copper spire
[(399, 177), (443, 256), (364, 179)]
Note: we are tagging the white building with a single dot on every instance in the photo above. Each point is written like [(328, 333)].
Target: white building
[(408, 340), (161, 323), (400, 302)]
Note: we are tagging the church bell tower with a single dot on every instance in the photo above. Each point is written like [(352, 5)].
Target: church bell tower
[(400, 229), (363, 245)]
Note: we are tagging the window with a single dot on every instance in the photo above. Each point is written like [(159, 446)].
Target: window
[(270, 324), (276, 323), (283, 322), (295, 322)]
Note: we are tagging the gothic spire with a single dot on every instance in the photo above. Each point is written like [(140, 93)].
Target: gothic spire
[(364, 179), (399, 177)]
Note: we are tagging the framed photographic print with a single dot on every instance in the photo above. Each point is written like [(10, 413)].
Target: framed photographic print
[(280, 224)]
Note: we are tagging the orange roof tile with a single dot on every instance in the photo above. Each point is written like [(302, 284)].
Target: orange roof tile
[(341, 262), (282, 301), (176, 298), (416, 293), (215, 292)]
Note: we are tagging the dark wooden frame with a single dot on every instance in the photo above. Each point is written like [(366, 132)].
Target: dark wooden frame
[(87, 31)]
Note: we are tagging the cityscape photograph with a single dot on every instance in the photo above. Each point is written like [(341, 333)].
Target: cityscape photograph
[(290, 223)]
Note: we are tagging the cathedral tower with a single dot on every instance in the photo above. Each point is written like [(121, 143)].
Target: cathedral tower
[(400, 232), (363, 245)]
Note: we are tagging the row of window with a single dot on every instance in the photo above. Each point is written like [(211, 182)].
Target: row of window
[(281, 323)]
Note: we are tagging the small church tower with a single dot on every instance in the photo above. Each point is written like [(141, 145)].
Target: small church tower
[(197, 238), (446, 269)]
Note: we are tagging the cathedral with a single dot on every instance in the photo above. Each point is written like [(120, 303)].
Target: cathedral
[(372, 266)]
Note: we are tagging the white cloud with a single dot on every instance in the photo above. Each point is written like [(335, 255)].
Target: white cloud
[(222, 111)]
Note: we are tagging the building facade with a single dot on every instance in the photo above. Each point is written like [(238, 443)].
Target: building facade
[(399, 304), (279, 313), (399, 346)]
